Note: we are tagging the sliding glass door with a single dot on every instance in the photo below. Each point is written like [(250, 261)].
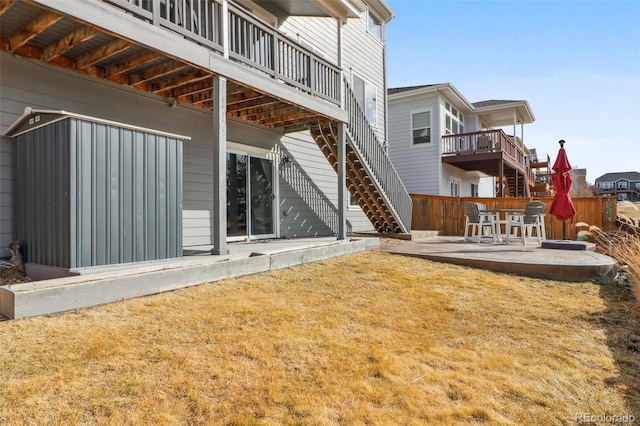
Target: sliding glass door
[(250, 197)]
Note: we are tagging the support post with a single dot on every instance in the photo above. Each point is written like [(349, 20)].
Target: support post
[(219, 165), (225, 29), (342, 182), (501, 179)]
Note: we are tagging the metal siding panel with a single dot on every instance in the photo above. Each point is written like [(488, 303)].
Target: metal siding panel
[(70, 258), (126, 197), (138, 163), (85, 189), (149, 196), (64, 219), (173, 212), (161, 197), (98, 199), (114, 228), (179, 197)]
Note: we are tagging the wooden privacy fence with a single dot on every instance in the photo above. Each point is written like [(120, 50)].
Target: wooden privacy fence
[(446, 214)]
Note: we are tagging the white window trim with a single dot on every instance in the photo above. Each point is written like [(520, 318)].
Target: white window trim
[(382, 28), (366, 81), (349, 205), (457, 182), (420, 145), (254, 151), (306, 43)]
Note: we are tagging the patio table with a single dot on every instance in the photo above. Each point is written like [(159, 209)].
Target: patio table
[(501, 218)]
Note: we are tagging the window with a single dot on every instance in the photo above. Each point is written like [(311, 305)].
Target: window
[(474, 190), (454, 120), (306, 43), (375, 26), (606, 185), (352, 201), (454, 188), (421, 127), (366, 94), (622, 184)]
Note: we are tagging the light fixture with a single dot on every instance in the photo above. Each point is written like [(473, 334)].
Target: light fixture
[(286, 161), (172, 102)]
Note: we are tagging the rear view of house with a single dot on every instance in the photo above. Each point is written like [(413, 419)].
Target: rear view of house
[(253, 116), (442, 144), (624, 185)]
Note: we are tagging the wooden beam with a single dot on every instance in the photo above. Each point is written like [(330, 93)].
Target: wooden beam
[(286, 119), (5, 5), (190, 89), (130, 63), (245, 95), (200, 97), (180, 79), (32, 29), (259, 102), (32, 52), (258, 114), (67, 43), (155, 71), (102, 53)]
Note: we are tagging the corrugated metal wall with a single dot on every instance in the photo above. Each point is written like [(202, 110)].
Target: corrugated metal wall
[(92, 194)]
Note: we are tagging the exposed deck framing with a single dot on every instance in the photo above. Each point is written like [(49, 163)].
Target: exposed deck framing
[(30, 30)]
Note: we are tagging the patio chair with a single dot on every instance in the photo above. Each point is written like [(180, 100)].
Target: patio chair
[(477, 222), (532, 218), (484, 143)]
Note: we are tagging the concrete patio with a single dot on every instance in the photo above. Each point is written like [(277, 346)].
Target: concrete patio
[(101, 285), (528, 260)]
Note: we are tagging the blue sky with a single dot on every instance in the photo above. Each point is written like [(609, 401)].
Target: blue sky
[(576, 62)]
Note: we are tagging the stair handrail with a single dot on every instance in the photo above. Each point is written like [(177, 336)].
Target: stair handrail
[(376, 160)]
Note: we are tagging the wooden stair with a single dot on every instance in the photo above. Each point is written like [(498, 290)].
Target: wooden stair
[(516, 187), (359, 181)]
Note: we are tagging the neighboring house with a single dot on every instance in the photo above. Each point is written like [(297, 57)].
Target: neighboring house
[(624, 185), (442, 144), (251, 113)]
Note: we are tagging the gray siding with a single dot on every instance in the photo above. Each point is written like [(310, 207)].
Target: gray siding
[(419, 166), (362, 53), (26, 83), (309, 192)]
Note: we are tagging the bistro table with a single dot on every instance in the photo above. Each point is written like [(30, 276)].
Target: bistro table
[(502, 220)]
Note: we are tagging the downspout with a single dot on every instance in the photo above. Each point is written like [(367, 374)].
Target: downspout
[(341, 149), (515, 122), (384, 79)]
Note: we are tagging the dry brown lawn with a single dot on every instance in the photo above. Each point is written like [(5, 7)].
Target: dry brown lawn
[(370, 338)]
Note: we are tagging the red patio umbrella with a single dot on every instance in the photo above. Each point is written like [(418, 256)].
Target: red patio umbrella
[(562, 206)]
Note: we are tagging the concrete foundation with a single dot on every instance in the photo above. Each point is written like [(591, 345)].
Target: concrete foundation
[(121, 282)]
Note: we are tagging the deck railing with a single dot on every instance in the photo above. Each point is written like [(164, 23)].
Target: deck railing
[(483, 142), (376, 159), (250, 41)]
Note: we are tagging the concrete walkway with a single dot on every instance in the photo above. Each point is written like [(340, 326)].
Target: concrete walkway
[(106, 284), (527, 260)]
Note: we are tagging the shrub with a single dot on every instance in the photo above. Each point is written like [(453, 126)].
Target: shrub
[(623, 245)]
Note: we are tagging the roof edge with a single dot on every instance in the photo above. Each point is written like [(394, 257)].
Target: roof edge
[(29, 111)]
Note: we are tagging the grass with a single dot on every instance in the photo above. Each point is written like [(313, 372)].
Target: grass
[(370, 338)]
